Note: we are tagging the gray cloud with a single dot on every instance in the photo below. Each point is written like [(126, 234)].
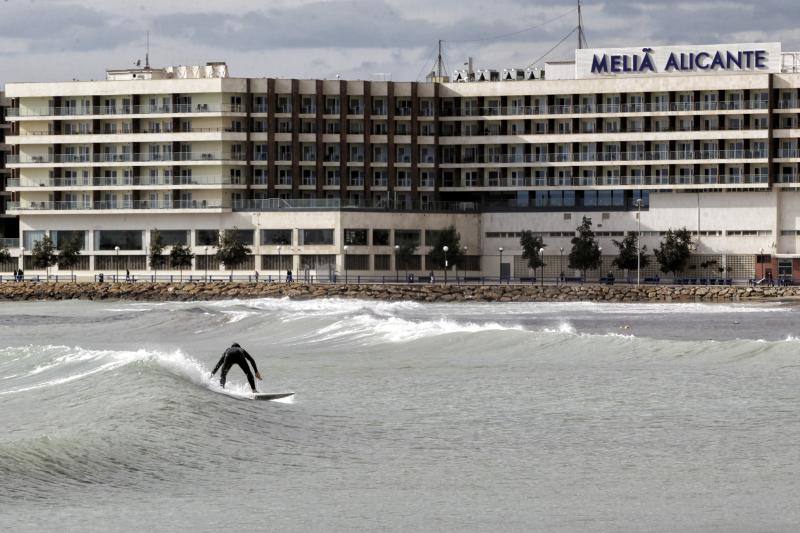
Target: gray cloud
[(355, 38)]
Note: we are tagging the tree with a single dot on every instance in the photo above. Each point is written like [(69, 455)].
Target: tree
[(231, 250), (69, 256), (43, 254), (5, 255), (675, 250), (180, 257), (531, 245), (156, 251), (404, 255), (626, 260), (455, 255), (585, 253)]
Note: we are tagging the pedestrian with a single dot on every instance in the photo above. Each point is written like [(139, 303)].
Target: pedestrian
[(127, 276), (256, 276), (21, 275), (433, 280), (289, 276)]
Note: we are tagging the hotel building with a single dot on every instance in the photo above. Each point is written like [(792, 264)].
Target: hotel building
[(328, 175)]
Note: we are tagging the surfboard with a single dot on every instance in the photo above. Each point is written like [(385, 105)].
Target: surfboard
[(271, 395)]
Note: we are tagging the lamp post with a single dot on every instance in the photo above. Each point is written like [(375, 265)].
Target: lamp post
[(22, 259), (280, 264), (345, 263), (205, 262), (600, 249), (561, 264), (638, 204), (116, 263), (500, 274), (464, 265), (541, 259), (445, 250), (396, 266)]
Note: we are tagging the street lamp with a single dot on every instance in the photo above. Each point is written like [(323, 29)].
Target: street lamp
[(600, 249), (445, 250), (116, 249), (500, 274), (561, 264), (22, 258), (464, 265), (541, 258), (280, 264), (638, 204), (205, 262), (396, 266), (345, 263)]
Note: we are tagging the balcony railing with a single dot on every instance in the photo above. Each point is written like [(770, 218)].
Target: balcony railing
[(70, 111), (567, 157), (613, 181), (578, 109), (279, 204), (123, 158), (110, 206), (128, 131), (124, 181), (6, 242)]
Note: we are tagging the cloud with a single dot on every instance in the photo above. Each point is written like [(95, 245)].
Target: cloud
[(355, 38)]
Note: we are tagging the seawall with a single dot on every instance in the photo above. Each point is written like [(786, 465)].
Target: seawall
[(28, 291)]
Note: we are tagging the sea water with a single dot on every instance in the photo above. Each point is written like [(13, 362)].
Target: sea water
[(407, 417)]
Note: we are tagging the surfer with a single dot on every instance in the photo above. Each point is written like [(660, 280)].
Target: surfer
[(236, 355)]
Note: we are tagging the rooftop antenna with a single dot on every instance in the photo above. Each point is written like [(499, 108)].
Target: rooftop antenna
[(439, 61), (147, 52), (581, 36)]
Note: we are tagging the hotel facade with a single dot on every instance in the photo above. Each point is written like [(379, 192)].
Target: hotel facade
[(323, 176)]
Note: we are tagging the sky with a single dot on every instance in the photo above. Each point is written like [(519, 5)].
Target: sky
[(52, 40)]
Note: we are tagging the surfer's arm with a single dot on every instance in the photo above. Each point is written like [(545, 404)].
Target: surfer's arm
[(252, 362), (219, 363)]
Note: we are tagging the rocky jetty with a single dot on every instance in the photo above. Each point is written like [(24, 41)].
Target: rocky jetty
[(25, 291)]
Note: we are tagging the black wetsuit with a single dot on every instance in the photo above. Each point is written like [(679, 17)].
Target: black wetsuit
[(235, 356)]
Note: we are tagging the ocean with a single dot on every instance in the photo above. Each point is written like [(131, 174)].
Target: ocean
[(406, 417)]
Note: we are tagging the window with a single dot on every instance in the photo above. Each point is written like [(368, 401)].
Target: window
[(356, 261), (276, 236), (355, 237), (316, 236), (407, 236), (206, 237), (382, 261), (244, 236), (432, 236), (62, 237), (125, 239), (380, 237), (171, 237)]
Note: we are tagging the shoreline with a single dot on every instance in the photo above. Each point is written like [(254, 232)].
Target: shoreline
[(208, 291)]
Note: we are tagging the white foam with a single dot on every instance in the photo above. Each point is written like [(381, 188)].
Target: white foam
[(396, 329)]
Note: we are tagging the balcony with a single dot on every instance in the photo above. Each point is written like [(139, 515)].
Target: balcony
[(122, 158), (122, 110), (280, 204), (114, 206), (567, 157), (607, 108)]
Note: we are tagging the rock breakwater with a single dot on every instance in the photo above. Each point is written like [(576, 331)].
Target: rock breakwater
[(417, 292)]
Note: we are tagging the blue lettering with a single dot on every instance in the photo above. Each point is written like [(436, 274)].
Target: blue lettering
[(734, 59), (616, 62), (718, 62), (701, 56), (599, 65), (748, 56), (672, 62), (761, 59), (647, 64)]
